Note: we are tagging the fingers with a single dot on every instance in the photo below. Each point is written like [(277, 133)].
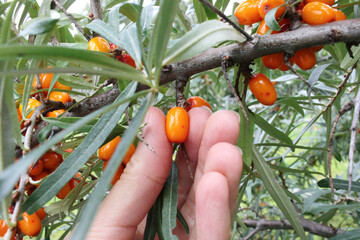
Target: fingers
[(198, 118), (212, 209), (222, 126), (140, 184)]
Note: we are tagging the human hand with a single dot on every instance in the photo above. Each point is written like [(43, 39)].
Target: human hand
[(207, 203)]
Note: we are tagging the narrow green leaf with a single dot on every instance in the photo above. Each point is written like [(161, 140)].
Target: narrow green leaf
[(246, 138), (209, 13), (349, 235), (201, 38), (326, 217), (75, 82), (6, 25), (270, 19), (150, 229), (293, 170), (39, 25), (96, 59), (339, 184), (270, 129), (161, 34), (52, 185), (130, 42), (294, 104), (348, 61), (315, 75), (182, 221), (277, 193), (200, 11), (97, 195), (124, 8), (169, 209)]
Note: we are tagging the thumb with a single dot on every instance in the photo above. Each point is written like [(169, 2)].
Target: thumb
[(133, 195)]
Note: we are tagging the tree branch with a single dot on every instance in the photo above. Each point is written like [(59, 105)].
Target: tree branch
[(96, 9), (309, 226), (347, 31)]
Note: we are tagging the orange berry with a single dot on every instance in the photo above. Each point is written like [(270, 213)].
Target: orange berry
[(273, 61), (126, 58), (266, 5), (300, 5), (30, 225), (196, 101), (41, 175), (263, 28), (45, 80), (262, 89), (247, 12), (32, 104), (69, 150), (316, 48), (99, 44), (328, 2), (75, 180), (118, 173), (129, 154), (62, 86), (36, 168), (339, 15), (51, 160), (316, 13), (177, 125), (3, 227), (64, 191), (60, 96), (305, 58), (55, 113), (41, 213), (283, 66), (113, 46), (107, 150)]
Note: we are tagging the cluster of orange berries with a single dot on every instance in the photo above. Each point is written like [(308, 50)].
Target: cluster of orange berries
[(101, 45), (106, 152), (177, 119), (312, 12)]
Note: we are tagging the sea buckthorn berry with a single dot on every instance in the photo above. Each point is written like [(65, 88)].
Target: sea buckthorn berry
[(107, 150), (262, 89), (32, 104), (36, 169), (316, 13), (263, 28), (300, 5), (41, 213), (339, 15), (98, 44), (75, 180), (62, 86), (247, 12), (113, 46), (273, 61), (126, 58), (3, 227), (316, 48), (42, 175), (30, 225), (51, 160), (60, 96), (118, 173), (305, 58), (266, 5), (283, 66), (328, 2), (196, 101), (177, 125), (129, 154), (64, 191), (55, 113), (30, 190)]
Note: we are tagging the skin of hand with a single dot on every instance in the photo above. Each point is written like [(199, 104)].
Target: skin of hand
[(207, 203)]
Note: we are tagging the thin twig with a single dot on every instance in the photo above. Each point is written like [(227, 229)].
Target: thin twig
[(182, 146), (353, 138), (186, 20), (252, 233), (71, 19), (223, 69), (345, 109), (287, 63), (309, 226), (221, 14)]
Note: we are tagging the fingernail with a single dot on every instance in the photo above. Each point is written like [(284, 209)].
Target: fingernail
[(239, 150), (207, 108), (237, 114)]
